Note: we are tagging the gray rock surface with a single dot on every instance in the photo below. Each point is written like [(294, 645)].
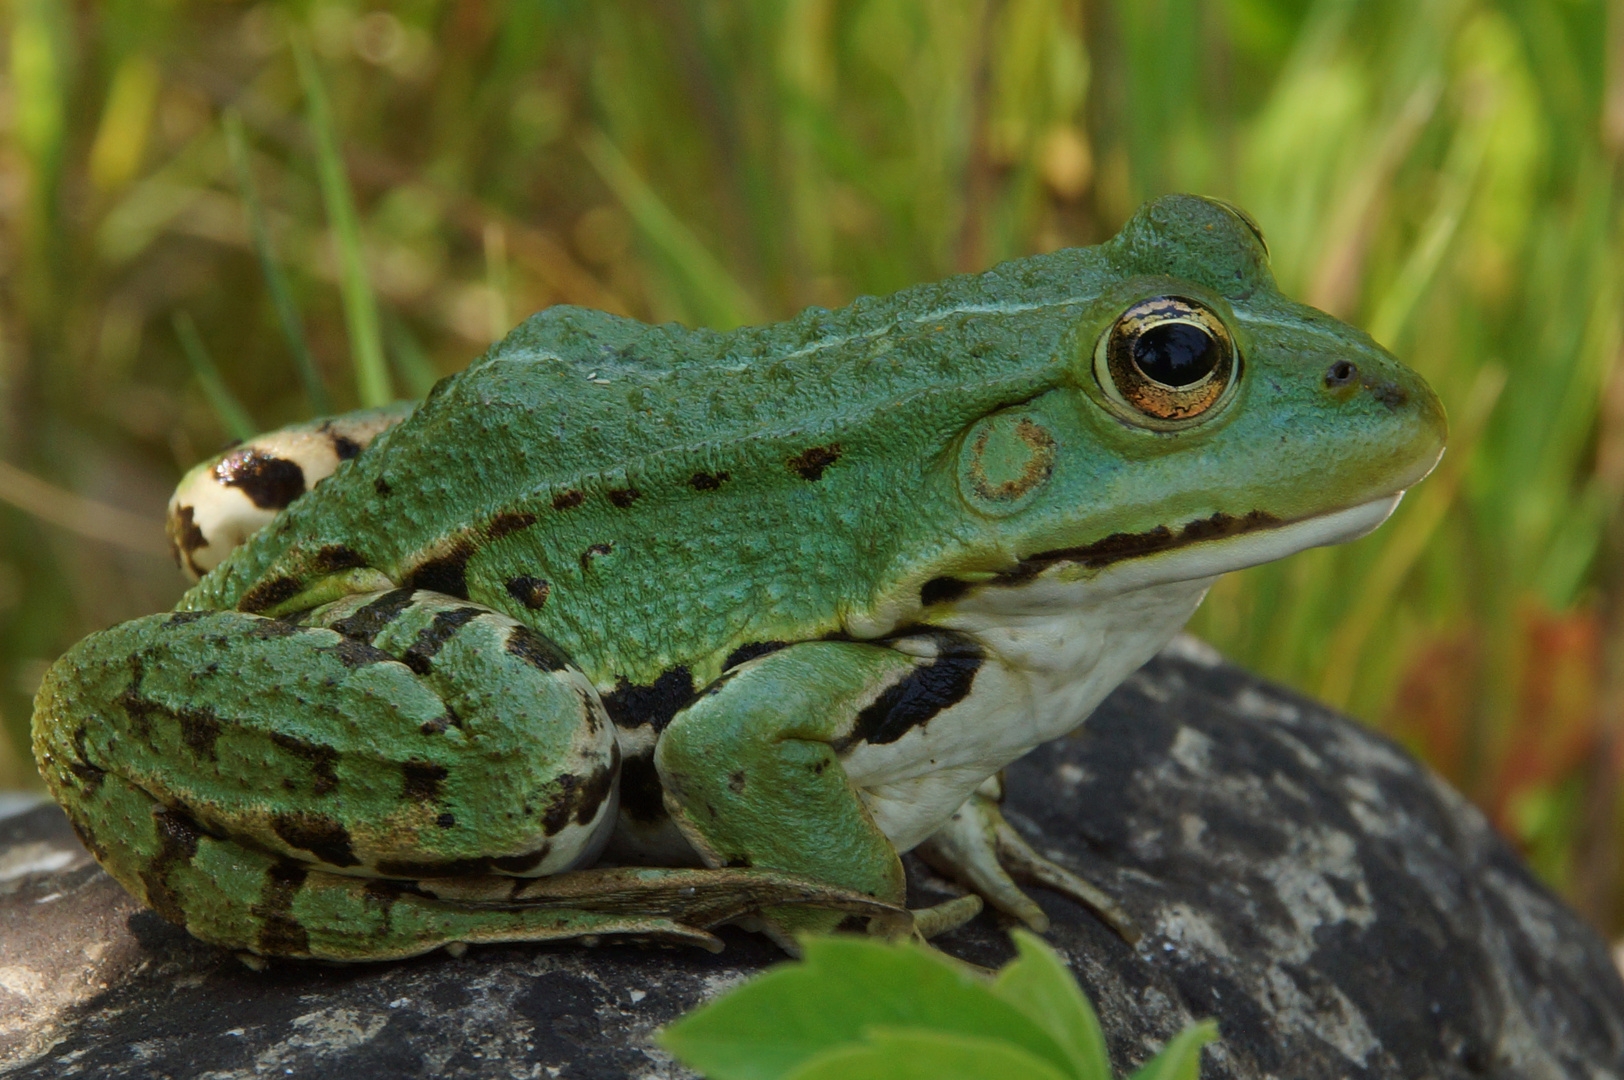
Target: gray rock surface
[(1338, 909)]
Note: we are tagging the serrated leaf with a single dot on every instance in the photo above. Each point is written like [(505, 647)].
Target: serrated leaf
[(1038, 983), (926, 1055), (1181, 1058), (846, 988)]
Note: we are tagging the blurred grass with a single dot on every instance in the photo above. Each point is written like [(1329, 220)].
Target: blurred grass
[(1443, 172)]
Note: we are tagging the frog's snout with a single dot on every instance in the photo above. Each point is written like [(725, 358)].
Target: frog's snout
[(1413, 415)]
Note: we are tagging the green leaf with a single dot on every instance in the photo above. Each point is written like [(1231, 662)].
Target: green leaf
[(1181, 1058), (1038, 983), (846, 988), (926, 1055)]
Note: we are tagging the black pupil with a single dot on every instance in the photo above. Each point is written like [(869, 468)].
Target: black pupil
[(1175, 353)]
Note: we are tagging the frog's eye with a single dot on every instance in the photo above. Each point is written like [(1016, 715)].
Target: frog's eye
[(1168, 358)]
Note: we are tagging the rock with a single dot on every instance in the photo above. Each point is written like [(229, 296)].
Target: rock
[(1336, 907)]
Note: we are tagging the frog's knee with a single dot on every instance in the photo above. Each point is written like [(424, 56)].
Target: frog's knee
[(225, 500)]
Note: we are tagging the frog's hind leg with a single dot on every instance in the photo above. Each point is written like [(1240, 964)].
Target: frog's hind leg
[(224, 500), (254, 779)]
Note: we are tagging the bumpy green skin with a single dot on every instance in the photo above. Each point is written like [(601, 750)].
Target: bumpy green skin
[(638, 504)]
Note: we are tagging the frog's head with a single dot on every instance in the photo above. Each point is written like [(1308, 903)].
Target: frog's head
[(1202, 422)]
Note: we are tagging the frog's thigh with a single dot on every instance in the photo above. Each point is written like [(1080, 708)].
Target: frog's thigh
[(412, 736), (751, 774)]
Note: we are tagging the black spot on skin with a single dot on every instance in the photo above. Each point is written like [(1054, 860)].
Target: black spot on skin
[(269, 593), (90, 776), (321, 759), (368, 621), (344, 447), (1341, 373), (446, 821), (279, 933), (750, 651), (271, 629), (810, 463), (199, 728), (270, 482), (568, 500), (1390, 394), (924, 692), (624, 497), (322, 836), (529, 591), (536, 650), (596, 788), (561, 805), (852, 924), (942, 590), (510, 522), (336, 557), (439, 724), (421, 781), (1119, 546), (518, 864), (184, 618), (446, 573), (178, 837), (432, 638), (354, 654), (704, 481), (384, 894), (186, 537), (381, 486), (642, 796), (592, 552), (633, 706), (735, 781)]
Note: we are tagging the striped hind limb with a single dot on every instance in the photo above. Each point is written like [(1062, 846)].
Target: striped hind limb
[(244, 899)]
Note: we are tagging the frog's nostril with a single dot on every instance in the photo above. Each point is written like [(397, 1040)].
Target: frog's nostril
[(1341, 373)]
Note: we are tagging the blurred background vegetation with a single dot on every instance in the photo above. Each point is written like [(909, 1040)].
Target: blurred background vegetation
[(418, 176)]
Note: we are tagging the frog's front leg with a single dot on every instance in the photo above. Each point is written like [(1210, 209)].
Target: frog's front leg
[(983, 851), (752, 775), (375, 782)]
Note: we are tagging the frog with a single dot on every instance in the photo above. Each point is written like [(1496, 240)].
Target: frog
[(631, 631)]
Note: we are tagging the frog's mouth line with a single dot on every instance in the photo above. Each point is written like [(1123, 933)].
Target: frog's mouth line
[(1209, 544)]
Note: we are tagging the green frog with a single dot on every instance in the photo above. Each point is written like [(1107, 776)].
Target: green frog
[(636, 630)]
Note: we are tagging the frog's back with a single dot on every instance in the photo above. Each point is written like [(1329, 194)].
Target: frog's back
[(643, 493)]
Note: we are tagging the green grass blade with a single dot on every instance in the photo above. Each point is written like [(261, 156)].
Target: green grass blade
[(287, 312), (412, 364), (233, 417), (719, 300), (360, 305)]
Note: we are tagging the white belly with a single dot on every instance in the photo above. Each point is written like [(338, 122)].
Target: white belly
[(1054, 651)]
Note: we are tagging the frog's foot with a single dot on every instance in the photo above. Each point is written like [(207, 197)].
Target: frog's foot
[(983, 851), (948, 915)]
